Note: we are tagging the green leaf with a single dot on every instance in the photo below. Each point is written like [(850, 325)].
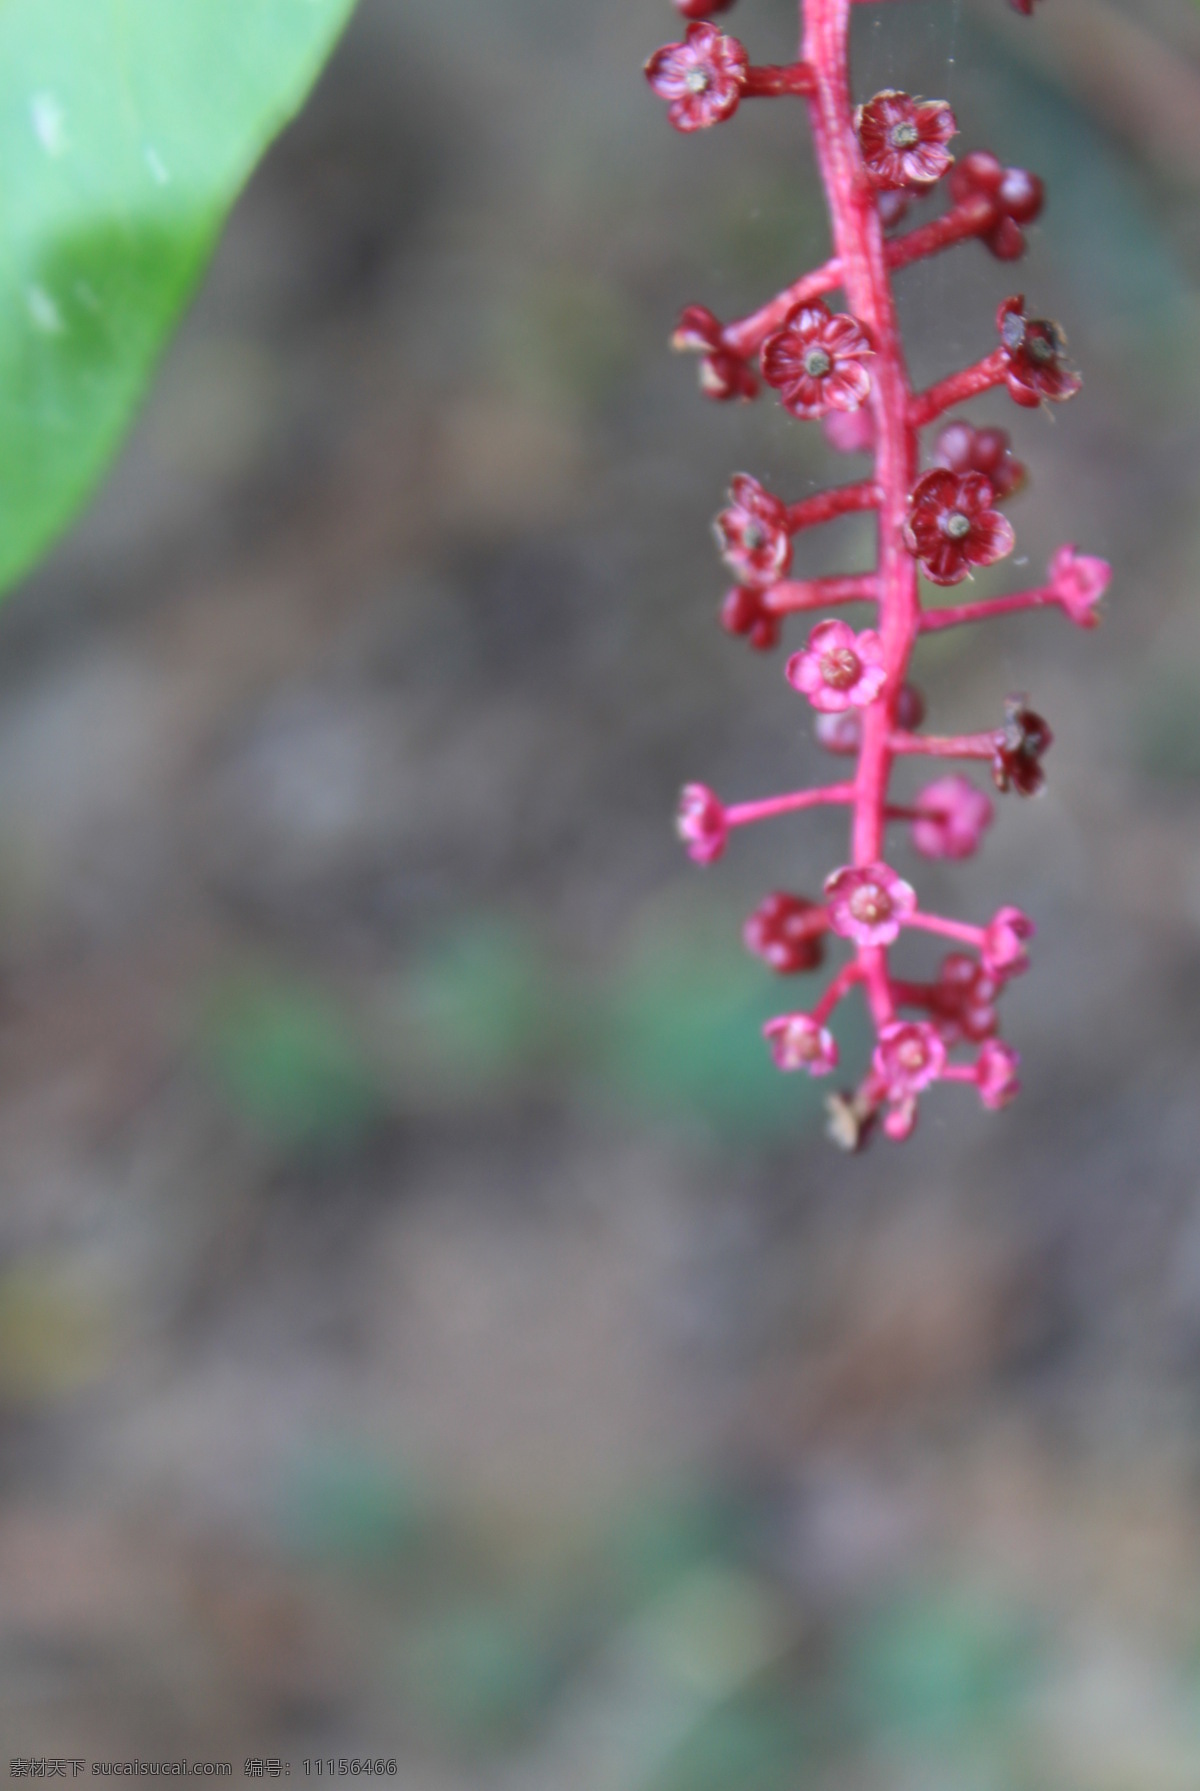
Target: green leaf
[(127, 129)]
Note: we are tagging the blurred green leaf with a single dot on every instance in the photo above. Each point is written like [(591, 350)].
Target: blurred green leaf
[(936, 1665), (479, 1671), (480, 1003), (290, 1065), (339, 1502), (758, 1744), (127, 128), (663, 1537)]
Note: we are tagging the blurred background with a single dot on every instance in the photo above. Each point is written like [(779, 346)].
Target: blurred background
[(429, 1327)]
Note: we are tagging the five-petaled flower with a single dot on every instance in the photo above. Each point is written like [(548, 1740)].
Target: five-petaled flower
[(1034, 351), (954, 818), (1020, 746), (1002, 952), (838, 669), (701, 78), (1078, 581), (963, 449), (904, 140), (952, 526), (816, 361), (798, 1042), (909, 1056), (700, 823), (996, 1074), (787, 932), (753, 533), (869, 903)]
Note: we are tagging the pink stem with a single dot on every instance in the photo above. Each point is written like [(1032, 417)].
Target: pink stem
[(792, 594), (912, 994), (838, 989), (952, 614), (823, 506), (926, 407), (772, 80), (743, 813), (971, 218), (948, 929), (945, 746)]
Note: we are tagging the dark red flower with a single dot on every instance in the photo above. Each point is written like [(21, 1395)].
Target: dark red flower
[(723, 374), (787, 932), (952, 526), (743, 613), (962, 449), (904, 140), (1020, 746), (1015, 196), (701, 78), (963, 1000), (1024, 7), (753, 533), (816, 361), (1034, 351), (701, 9)]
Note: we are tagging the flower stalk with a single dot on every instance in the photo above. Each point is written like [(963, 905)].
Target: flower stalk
[(840, 360)]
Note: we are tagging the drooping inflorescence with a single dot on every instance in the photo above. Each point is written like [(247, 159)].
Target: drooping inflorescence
[(843, 363)]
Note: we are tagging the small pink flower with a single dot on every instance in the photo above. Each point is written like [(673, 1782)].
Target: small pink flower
[(962, 449), (1003, 950), (799, 1043), (838, 669), (816, 361), (1034, 353), (869, 903), (963, 999), (996, 1072), (957, 816), (1078, 581), (909, 1056), (743, 613), (787, 932), (849, 431), (904, 140), (702, 78), (700, 823), (952, 526), (753, 533)]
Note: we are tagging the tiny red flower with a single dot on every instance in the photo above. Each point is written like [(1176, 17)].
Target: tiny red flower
[(1020, 747), (951, 525), (753, 533), (1034, 351), (909, 1056), (963, 999), (743, 613), (838, 669), (787, 932), (904, 140), (1003, 951), (1078, 581), (996, 1074), (869, 903), (816, 361), (1015, 195), (954, 820), (700, 9), (700, 823), (962, 449), (1024, 7), (723, 374), (798, 1042), (701, 78)]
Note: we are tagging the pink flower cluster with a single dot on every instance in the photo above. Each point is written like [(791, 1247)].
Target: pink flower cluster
[(939, 516)]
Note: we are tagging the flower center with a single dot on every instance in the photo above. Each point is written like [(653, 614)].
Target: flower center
[(804, 1044), (870, 904), (697, 80), (754, 536), (817, 363), (1041, 347), (957, 526), (912, 1055), (905, 136), (841, 668)]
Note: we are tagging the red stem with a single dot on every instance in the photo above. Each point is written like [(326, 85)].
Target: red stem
[(823, 506), (743, 813), (792, 594), (927, 406), (950, 615)]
